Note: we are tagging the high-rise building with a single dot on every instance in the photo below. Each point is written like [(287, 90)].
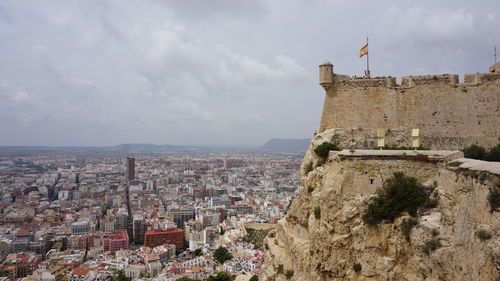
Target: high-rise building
[(130, 168), (179, 216), (139, 227)]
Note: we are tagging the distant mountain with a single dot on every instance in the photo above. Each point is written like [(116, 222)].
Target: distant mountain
[(145, 147), (286, 145), (273, 145), (121, 148)]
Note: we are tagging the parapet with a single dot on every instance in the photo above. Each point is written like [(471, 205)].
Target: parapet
[(362, 82), (444, 79), (480, 78)]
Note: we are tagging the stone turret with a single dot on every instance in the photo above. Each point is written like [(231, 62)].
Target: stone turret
[(495, 68), (326, 75)]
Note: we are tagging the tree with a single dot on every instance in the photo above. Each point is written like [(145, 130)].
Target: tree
[(254, 278), (399, 194), (198, 252), (121, 277), (222, 255), (178, 252), (221, 276)]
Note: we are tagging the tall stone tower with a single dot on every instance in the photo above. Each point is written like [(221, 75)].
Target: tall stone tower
[(326, 75)]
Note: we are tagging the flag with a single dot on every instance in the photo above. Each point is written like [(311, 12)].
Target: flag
[(363, 51)]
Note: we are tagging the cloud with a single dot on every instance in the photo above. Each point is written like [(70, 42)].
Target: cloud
[(226, 71)]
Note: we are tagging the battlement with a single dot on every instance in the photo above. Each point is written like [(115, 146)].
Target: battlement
[(449, 114), (361, 82), (444, 79), (329, 79), (481, 78), (344, 81)]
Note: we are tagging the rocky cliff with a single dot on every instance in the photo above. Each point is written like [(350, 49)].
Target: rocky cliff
[(323, 235)]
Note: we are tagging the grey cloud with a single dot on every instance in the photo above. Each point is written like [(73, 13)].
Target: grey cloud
[(229, 72)]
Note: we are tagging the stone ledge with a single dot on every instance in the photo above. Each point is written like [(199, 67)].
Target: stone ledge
[(435, 155), (479, 165)]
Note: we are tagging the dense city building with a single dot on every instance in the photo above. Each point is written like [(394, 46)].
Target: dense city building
[(157, 237), (73, 217)]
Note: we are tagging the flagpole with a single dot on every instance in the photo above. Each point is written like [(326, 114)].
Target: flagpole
[(495, 54), (367, 59)]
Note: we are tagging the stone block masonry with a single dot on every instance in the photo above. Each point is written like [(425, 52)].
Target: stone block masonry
[(441, 107)]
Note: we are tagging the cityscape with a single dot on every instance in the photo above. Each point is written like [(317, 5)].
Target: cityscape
[(67, 216), (249, 140)]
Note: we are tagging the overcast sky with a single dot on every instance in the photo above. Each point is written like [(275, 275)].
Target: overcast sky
[(105, 72)]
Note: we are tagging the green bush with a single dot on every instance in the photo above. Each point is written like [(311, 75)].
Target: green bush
[(289, 274), (431, 245), (494, 199), (399, 194), (221, 276), (474, 152), (256, 236), (483, 234), (493, 154), (480, 153), (406, 227), (186, 279), (254, 278), (317, 212), (454, 164), (357, 267), (496, 182), (198, 252), (323, 149), (319, 163), (221, 254), (308, 167)]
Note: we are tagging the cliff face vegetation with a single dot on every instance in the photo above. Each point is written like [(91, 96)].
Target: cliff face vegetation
[(450, 233)]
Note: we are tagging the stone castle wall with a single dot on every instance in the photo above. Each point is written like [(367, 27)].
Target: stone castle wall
[(449, 114)]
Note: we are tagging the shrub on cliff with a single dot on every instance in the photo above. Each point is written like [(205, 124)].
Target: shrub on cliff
[(317, 212), (308, 167), (406, 227), (494, 199), (323, 149), (399, 194), (480, 153), (256, 236), (493, 154), (474, 152), (431, 245), (357, 267), (483, 234)]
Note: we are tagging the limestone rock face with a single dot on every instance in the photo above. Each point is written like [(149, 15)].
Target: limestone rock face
[(323, 235)]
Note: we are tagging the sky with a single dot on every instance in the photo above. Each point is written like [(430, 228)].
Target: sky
[(219, 72)]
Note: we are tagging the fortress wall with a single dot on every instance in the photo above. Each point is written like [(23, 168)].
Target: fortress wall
[(446, 79), (442, 109)]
